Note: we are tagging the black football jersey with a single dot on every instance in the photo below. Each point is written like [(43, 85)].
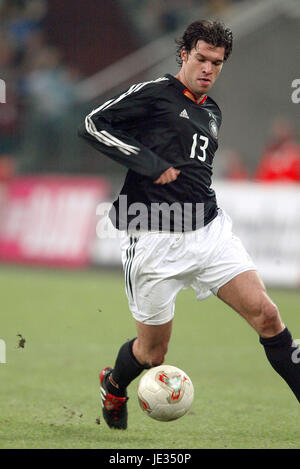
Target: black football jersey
[(149, 128)]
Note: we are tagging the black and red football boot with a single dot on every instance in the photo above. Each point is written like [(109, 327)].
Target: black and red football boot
[(114, 408)]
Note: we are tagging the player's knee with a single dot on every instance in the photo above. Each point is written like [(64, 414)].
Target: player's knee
[(268, 319)]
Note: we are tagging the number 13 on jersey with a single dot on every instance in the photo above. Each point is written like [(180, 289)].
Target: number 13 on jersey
[(202, 147)]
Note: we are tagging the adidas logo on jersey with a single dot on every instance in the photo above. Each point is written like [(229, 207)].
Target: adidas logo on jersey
[(184, 114)]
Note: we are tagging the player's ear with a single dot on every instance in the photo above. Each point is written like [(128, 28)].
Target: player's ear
[(184, 54)]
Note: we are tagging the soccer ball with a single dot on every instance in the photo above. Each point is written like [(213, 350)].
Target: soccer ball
[(165, 393)]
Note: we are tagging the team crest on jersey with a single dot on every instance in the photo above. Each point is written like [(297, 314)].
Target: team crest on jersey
[(213, 128)]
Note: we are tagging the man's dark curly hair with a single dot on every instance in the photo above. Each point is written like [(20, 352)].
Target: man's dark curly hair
[(212, 32)]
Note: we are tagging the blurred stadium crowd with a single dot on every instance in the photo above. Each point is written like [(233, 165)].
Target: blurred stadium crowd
[(153, 19), (40, 89), (42, 103)]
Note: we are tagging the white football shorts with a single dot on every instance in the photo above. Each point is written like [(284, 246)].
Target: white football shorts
[(157, 265)]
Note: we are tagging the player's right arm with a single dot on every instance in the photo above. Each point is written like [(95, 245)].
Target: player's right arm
[(107, 129)]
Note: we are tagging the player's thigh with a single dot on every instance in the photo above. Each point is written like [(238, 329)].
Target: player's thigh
[(244, 292), (154, 276), (247, 295)]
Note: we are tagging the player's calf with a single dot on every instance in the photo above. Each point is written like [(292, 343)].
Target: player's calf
[(151, 345), (151, 354), (280, 351), (277, 341), (247, 295), (126, 369)]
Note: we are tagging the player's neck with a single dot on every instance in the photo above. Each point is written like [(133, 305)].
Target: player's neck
[(187, 92)]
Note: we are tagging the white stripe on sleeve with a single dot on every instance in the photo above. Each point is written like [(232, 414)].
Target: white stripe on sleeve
[(105, 137)]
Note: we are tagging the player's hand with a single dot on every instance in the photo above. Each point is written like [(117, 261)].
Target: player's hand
[(170, 175)]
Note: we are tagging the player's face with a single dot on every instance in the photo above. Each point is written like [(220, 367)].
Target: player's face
[(201, 67)]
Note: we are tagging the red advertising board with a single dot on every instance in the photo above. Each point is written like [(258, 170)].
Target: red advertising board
[(50, 220)]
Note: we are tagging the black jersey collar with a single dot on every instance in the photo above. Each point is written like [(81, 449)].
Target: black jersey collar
[(188, 93)]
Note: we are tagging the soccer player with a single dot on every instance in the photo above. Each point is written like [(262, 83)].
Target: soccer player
[(165, 132)]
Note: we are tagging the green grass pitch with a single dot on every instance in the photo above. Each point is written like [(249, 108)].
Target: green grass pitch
[(74, 323)]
